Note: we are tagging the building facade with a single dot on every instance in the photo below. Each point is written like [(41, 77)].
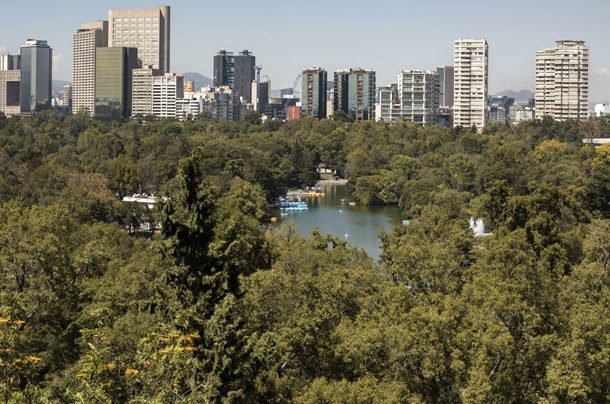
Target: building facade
[(602, 110), (354, 92), (419, 96), (36, 77), (446, 76), (188, 107), (562, 81), (470, 83), (386, 98), (148, 30), (142, 91), (235, 71), (245, 73), (66, 97), (86, 40), (313, 93), (113, 80), (165, 90), (224, 69), (10, 62), (9, 92), (261, 92)]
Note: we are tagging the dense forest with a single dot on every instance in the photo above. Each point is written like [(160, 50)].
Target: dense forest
[(218, 307)]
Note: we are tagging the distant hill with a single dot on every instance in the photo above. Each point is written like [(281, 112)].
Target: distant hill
[(199, 79), (523, 95)]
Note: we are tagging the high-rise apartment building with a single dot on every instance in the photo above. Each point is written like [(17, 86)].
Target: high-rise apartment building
[(562, 81), (148, 30), (445, 81), (36, 76), (86, 40), (419, 96), (470, 83), (165, 90), (313, 93), (354, 92), (113, 80), (236, 71), (142, 91)]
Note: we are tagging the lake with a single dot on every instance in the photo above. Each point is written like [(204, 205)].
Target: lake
[(359, 225)]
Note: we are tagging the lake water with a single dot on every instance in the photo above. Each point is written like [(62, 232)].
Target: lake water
[(359, 225)]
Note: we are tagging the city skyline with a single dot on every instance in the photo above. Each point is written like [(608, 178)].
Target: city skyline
[(394, 43)]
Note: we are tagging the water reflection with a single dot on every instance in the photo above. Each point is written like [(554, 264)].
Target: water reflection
[(359, 225)]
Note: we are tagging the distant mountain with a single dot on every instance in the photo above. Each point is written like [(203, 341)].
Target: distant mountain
[(199, 79), (523, 95)]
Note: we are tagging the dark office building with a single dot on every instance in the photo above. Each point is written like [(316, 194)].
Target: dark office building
[(223, 69), (244, 74), (235, 71), (113, 74), (36, 76)]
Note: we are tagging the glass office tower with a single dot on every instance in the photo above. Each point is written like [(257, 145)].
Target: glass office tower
[(113, 74), (36, 76)]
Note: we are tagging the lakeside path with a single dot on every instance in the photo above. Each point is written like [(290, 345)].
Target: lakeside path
[(332, 182)]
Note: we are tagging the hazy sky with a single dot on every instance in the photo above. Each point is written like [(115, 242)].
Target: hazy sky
[(287, 36)]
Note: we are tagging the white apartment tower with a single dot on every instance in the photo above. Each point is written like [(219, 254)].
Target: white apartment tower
[(148, 30), (165, 90), (419, 96), (89, 37), (470, 83), (562, 81)]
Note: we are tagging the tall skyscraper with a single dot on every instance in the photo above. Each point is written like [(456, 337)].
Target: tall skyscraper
[(562, 81), (235, 71), (89, 37), (355, 93), (36, 76), (419, 96), (470, 83), (313, 93), (245, 73), (445, 81), (113, 80), (148, 30)]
